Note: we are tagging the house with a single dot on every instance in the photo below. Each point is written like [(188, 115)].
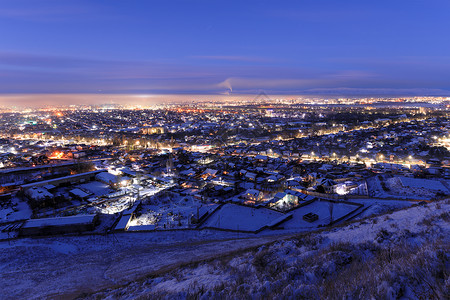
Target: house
[(283, 200), (250, 176), (253, 195), (209, 173), (108, 178), (38, 196), (261, 158), (78, 154), (328, 185)]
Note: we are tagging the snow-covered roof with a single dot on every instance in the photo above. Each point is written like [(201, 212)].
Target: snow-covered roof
[(326, 182), (280, 195), (107, 177), (79, 193), (250, 175), (49, 186), (210, 172), (38, 193), (123, 223), (252, 192)]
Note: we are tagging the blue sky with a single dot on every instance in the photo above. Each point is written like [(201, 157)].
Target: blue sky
[(213, 47)]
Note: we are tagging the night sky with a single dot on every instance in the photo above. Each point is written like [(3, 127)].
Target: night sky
[(213, 47)]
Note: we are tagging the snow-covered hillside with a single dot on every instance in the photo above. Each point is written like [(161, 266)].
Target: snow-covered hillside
[(399, 255)]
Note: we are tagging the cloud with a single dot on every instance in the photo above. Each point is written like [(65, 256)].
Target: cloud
[(226, 84), (236, 58), (46, 70), (247, 83), (27, 60), (352, 75), (399, 63), (31, 73), (380, 91)]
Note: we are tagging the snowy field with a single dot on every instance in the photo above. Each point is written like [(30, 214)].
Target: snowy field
[(395, 189), (415, 187), (320, 208), (428, 184), (237, 217)]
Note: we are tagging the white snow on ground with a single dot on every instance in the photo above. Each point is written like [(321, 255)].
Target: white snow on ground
[(238, 217), (149, 191), (397, 187), (320, 208), (397, 190), (19, 211), (377, 206), (400, 221), (395, 256), (67, 266), (200, 275), (115, 206), (423, 183), (401, 187), (173, 213)]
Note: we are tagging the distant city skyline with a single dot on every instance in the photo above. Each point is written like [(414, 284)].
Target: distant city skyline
[(80, 48), (20, 101)]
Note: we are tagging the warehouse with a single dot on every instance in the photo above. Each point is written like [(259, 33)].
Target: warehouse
[(59, 225)]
